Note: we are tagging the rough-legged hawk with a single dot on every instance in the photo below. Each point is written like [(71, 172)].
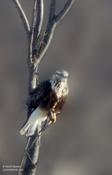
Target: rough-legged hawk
[(46, 101)]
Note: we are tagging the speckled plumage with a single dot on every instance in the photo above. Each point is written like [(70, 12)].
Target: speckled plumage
[(48, 98)]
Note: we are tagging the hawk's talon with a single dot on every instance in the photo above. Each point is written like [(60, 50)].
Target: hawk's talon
[(52, 117)]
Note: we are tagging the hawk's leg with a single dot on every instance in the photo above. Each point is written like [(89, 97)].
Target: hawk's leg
[(52, 116)]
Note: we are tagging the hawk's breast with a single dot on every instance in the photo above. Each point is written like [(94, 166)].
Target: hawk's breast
[(61, 92)]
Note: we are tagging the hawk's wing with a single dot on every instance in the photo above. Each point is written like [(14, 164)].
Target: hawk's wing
[(41, 92)]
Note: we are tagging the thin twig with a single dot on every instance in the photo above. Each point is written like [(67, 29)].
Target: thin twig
[(64, 11), (38, 13), (23, 17)]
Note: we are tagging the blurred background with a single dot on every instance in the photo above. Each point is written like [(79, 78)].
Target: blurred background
[(80, 143)]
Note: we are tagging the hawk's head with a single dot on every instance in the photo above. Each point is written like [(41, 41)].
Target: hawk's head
[(60, 76)]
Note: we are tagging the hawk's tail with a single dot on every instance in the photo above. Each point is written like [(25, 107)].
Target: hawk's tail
[(27, 130), (24, 129), (34, 122)]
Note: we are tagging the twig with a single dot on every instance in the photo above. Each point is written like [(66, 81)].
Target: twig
[(23, 17), (64, 11), (37, 21)]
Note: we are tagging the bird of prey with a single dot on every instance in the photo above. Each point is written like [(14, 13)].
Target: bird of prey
[(46, 101)]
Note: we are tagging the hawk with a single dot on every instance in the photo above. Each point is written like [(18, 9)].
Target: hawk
[(46, 101)]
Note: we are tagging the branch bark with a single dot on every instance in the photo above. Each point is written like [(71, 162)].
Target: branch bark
[(38, 46), (38, 13)]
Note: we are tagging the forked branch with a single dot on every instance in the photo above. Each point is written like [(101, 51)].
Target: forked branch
[(64, 11), (23, 17), (53, 20)]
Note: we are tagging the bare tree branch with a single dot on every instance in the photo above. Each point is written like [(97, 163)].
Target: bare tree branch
[(37, 21), (23, 17), (52, 22), (46, 39), (48, 33), (31, 155), (64, 11)]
